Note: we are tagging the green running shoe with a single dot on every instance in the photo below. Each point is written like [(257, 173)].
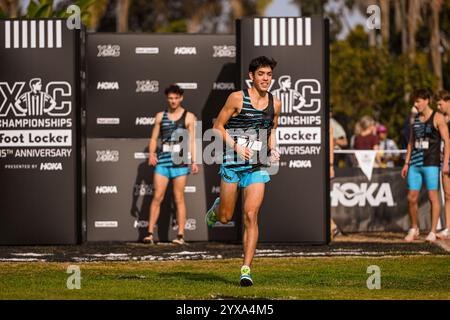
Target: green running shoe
[(246, 279), (210, 217)]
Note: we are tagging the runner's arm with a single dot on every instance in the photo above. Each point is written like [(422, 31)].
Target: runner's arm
[(443, 130), (191, 121), (273, 133), (408, 155), (155, 134), (229, 109)]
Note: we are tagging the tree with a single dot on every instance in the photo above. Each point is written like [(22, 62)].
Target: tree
[(436, 6), (10, 8), (413, 21), (122, 13), (385, 20), (372, 81)]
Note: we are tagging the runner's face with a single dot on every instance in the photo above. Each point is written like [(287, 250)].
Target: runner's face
[(174, 100), (262, 78), (444, 106), (421, 104)]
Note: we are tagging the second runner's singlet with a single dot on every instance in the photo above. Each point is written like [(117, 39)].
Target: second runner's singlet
[(426, 143), (169, 145)]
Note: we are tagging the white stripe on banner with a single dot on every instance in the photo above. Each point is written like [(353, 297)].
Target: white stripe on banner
[(274, 31), (299, 31), (16, 33), (58, 34), (265, 32), (308, 31), (7, 34), (282, 32), (41, 34), (24, 34), (33, 34), (291, 31), (50, 34), (256, 27)]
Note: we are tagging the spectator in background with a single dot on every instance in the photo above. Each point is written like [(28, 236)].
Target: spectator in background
[(339, 136), (366, 139), (356, 132), (338, 139), (334, 230), (386, 159)]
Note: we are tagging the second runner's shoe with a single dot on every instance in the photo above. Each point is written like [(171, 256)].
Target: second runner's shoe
[(444, 234), (413, 234)]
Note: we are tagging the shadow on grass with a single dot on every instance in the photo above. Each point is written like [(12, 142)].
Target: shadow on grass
[(202, 277)]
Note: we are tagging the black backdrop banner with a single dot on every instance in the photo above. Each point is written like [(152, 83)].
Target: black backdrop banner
[(381, 204), (126, 77), (39, 148), (296, 204)]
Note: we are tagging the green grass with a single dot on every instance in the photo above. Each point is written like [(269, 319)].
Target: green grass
[(424, 277)]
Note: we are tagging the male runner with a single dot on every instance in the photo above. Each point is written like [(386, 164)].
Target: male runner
[(253, 111), (443, 103), (166, 125), (422, 161)]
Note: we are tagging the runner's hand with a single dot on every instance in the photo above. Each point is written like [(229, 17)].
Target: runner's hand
[(152, 159), (405, 171), (274, 156), (332, 174), (445, 169), (194, 168), (243, 152)]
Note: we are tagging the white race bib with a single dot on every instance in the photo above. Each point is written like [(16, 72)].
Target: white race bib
[(245, 141), (169, 147), (422, 144)]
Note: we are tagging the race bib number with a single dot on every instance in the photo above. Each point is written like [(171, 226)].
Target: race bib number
[(169, 147), (422, 144), (252, 144)]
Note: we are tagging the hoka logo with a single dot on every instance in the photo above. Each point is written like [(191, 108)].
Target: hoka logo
[(51, 166), (145, 121), (300, 164), (352, 194), (223, 86), (107, 85), (140, 224), (106, 190), (185, 50)]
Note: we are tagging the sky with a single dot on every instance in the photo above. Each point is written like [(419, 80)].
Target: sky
[(282, 8), (285, 8)]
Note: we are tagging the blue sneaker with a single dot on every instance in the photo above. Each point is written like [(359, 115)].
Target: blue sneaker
[(210, 217), (246, 279)]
